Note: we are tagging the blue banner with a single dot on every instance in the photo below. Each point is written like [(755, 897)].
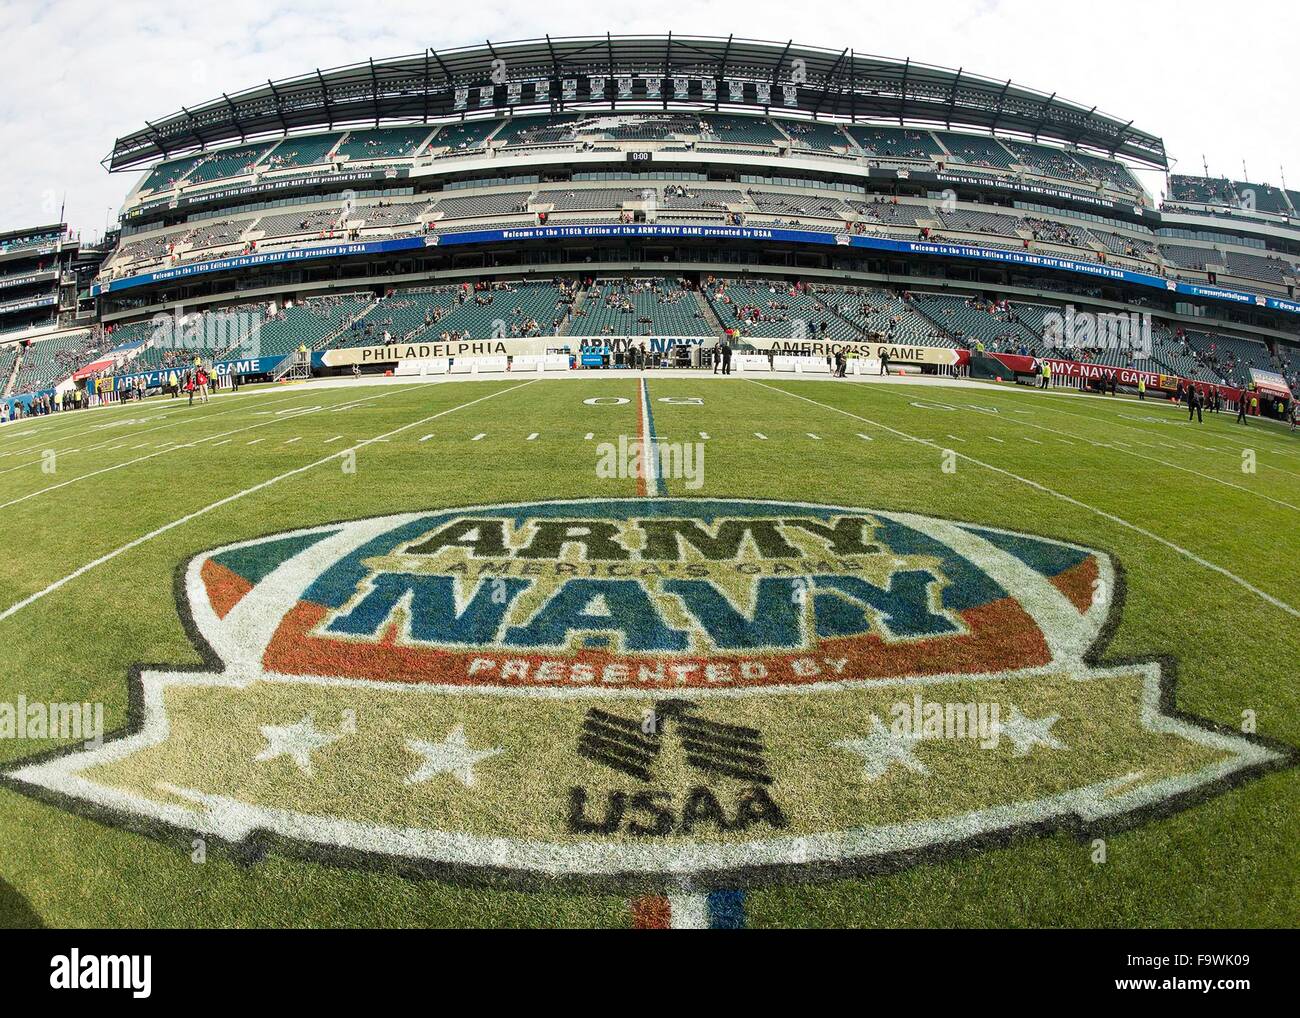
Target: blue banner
[(1095, 270)]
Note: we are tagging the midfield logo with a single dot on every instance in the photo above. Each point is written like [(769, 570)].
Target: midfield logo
[(646, 690)]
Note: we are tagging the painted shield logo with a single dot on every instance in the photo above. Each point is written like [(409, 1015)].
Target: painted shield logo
[(649, 691)]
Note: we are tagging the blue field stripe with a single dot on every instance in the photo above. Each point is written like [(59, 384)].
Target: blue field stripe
[(727, 910)]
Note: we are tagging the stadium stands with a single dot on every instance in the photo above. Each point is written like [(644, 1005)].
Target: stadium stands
[(228, 163), (976, 151), (522, 309), (217, 233), (458, 139), (383, 143), (167, 175), (307, 151), (973, 320), (883, 315), (47, 362), (776, 309), (295, 224), (543, 130), (309, 323), (1047, 162), (896, 143), (816, 136), (640, 307), (739, 130)]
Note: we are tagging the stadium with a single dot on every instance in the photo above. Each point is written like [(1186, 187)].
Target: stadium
[(652, 481)]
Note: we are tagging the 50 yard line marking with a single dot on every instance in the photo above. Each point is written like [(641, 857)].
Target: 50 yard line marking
[(1177, 548), (15, 608)]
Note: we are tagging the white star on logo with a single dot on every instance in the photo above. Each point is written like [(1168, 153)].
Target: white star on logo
[(883, 748), (298, 741), (451, 756), (1027, 734)]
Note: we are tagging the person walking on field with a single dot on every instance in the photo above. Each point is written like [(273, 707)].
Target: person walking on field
[(1241, 409)]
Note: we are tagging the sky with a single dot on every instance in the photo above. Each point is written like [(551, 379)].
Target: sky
[(1215, 81)]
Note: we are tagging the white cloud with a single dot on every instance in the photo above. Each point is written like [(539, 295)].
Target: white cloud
[(1211, 80)]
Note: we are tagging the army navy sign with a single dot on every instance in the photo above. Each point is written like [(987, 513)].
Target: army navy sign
[(649, 690)]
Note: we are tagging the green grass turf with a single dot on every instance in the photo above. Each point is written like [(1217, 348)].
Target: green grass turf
[(1230, 861)]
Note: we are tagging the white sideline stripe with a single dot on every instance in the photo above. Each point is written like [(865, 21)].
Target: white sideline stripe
[(155, 413), (161, 452), (1113, 422), (1173, 466), (759, 435), (14, 609), (1179, 549), (186, 418), (531, 437)]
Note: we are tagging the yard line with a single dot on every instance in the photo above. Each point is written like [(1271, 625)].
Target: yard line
[(956, 439), (998, 440), (256, 440), (811, 435), (1172, 466), (1176, 548), (424, 439), (1065, 441), (152, 455), (103, 419), (531, 437), (867, 438), (1026, 438), (481, 434), (224, 441), (14, 609), (337, 437), (759, 435), (296, 438), (187, 418)]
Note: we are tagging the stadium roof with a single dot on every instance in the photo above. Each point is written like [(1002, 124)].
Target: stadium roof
[(534, 76)]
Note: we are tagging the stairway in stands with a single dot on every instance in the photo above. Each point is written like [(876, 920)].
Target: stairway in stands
[(13, 375), (710, 315)]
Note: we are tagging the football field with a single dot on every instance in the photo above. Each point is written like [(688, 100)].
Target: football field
[(462, 654)]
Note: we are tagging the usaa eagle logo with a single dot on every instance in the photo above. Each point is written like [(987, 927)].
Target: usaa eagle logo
[(647, 691)]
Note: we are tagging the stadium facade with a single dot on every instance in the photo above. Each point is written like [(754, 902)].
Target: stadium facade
[(518, 199)]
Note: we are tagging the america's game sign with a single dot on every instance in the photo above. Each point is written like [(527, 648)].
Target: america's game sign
[(647, 691)]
